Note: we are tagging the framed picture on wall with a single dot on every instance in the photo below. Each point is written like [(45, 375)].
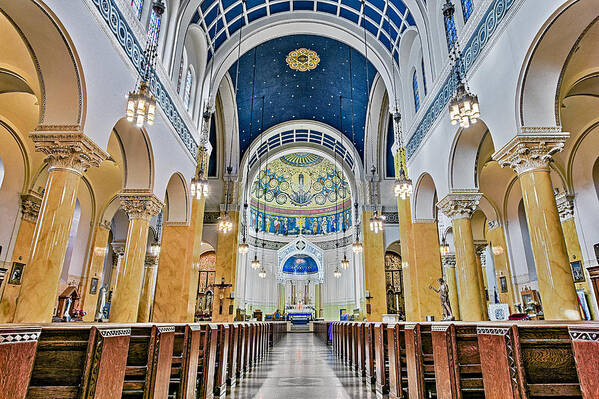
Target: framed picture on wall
[(503, 284), (577, 272), (93, 287), (16, 273)]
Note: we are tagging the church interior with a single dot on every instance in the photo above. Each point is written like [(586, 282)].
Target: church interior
[(299, 198)]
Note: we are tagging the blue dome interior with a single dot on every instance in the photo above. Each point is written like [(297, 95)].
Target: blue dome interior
[(300, 264)]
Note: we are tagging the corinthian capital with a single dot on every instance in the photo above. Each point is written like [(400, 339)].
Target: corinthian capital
[(448, 260), (30, 206), (460, 204), (532, 149), (66, 147), (140, 204), (565, 205)]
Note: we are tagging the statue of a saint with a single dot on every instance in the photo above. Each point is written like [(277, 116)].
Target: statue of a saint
[(100, 313), (443, 292)]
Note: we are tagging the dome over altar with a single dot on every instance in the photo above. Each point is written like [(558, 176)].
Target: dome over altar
[(300, 193), (300, 264)]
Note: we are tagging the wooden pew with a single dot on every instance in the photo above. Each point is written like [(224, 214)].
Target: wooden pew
[(246, 348), (420, 360), (361, 361), (222, 352), (17, 354), (192, 359), (445, 353), (381, 359), (71, 362), (398, 377), (232, 356), (585, 345), (369, 361), (355, 344)]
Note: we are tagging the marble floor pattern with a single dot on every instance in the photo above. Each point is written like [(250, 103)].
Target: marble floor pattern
[(301, 366)]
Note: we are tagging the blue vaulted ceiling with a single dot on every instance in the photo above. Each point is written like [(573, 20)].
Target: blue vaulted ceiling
[(292, 95), (384, 19)]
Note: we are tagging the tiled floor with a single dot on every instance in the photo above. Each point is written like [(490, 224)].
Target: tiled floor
[(301, 366)]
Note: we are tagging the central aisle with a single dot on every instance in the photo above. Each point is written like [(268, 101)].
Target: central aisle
[(301, 366)]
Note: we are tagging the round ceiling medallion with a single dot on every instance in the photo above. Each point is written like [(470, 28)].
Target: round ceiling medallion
[(302, 59)]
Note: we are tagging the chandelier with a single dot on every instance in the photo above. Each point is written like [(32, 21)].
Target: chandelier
[(337, 273), (256, 262), (155, 249), (463, 106), (244, 248), (403, 185), (141, 104), (444, 247), (225, 224), (377, 221), (344, 263), (357, 246), (199, 187), (262, 273)]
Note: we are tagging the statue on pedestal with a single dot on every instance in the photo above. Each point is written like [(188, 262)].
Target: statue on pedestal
[(100, 313), (443, 292)]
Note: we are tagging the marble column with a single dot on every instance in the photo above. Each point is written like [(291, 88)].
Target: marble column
[(480, 248), (30, 207), (374, 270), (89, 300), (529, 155), (118, 247), (496, 237), (226, 262), (427, 268), (140, 207), (196, 232), (69, 153), (174, 275), (449, 276), (411, 301), (565, 207), (147, 289), (459, 206)]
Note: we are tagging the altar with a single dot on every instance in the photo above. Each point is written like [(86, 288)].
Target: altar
[(300, 314)]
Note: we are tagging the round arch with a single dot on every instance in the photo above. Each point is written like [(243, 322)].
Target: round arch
[(137, 155), (467, 149), (425, 198), (177, 200)]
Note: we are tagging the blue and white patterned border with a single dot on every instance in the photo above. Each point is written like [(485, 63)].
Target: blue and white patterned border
[(479, 39), (125, 36)]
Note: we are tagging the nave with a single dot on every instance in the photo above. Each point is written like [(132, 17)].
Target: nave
[(301, 366)]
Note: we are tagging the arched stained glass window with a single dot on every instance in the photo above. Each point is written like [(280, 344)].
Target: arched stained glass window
[(424, 78), (467, 8), (450, 30), (188, 84), (415, 89), (154, 26), (137, 6)]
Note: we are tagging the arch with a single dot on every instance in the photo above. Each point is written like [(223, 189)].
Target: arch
[(187, 88), (177, 200), (197, 56), (425, 198), (540, 77), (138, 155), (465, 155), (59, 71)]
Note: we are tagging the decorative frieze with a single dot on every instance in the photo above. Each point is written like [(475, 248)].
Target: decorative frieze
[(492, 330), (20, 336), (120, 332), (140, 204), (66, 147), (460, 204), (584, 335), (531, 151), (565, 205), (30, 206)]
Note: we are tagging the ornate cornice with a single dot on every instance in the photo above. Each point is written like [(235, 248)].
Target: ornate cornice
[(140, 204), (565, 205), (30, 206), (531, 150), (66, 147), (460, 204)]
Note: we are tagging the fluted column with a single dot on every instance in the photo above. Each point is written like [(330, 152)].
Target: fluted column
[(89, 300), (459, 206), (69, 153), (30, 207), (449, 276), (496, 237), (140, 206), (374, 270), (149, 278), (529, 155)]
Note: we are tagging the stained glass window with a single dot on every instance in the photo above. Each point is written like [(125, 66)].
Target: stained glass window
[(424, 78), (188, 84), (137, 6), (154, 26), (415, 88), (450, 31), (467, 8)]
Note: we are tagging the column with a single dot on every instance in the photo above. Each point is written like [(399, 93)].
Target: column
[(30, 207), (496, 237), (91, 288), (529, 155), (196, 232), (118, 247), (459, 206), (174, 275), (410, 290), (140, 207), (226, 261), (147, 289), (427, 268), (480, 248), (565, 207), (69, 153), (374, 270), (450, 278)]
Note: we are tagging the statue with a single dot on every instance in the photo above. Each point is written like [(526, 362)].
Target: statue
[(100, 313), (443, 291)]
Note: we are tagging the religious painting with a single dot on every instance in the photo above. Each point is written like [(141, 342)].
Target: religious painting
[(93, 287), (503, 284), (16, 274), (577, 272)]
